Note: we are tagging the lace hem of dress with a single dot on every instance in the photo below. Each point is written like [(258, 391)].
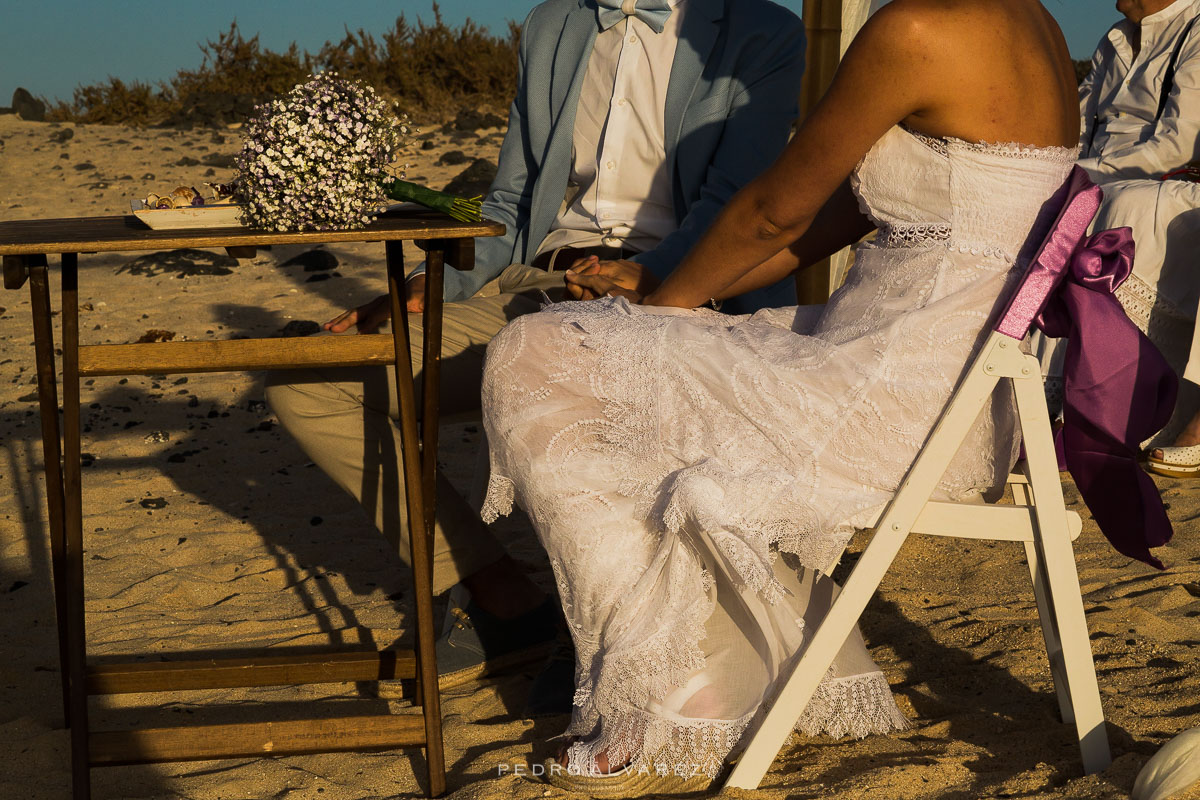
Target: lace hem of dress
[(855, 706), (498, 501)]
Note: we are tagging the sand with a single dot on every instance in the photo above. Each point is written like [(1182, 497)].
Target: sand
[(207, 529)]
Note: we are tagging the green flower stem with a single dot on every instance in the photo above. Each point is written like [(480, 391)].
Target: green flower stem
[(460, 208)]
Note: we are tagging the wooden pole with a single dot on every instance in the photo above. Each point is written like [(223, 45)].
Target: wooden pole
[(823, 28)]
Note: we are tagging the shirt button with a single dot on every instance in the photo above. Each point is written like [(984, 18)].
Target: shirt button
[(633, 39), (622, 101), (611, 165)]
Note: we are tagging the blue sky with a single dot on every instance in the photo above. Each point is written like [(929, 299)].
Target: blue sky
[(52, 46)]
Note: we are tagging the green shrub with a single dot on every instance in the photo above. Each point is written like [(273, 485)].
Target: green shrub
[(430, 70)]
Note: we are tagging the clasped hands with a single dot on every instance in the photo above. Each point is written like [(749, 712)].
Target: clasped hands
[(587, 279)]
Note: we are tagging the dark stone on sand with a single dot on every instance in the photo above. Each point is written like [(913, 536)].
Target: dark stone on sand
[(62, 135), (32, 397), (183, 262), (223, 160), (153, 502), (320, 276), (17, 585), (453, 158), (187, 161), (214, 109), (28, 107), (471, 120), (474, 181), (149, 176), (313, 261), (217, 139), (208, 173), (428, 144), (315, 521), (300, 327), (85, 165)]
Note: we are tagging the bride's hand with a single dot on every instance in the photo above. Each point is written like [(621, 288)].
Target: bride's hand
[(588, 286), (627, 275)]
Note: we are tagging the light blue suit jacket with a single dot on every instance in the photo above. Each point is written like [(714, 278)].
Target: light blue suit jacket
[(731, 99)]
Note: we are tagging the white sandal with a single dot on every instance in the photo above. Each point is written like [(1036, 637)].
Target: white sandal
[(1176, 462)]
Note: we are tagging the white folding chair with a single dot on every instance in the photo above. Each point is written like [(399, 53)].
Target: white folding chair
[(1038, 518)]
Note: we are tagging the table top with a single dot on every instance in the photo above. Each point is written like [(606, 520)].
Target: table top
[(128, 233)]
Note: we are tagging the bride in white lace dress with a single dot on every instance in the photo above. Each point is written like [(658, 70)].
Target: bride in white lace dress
[(694, 476)]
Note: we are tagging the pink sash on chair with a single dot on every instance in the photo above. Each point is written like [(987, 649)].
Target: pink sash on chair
[(1119, 390)]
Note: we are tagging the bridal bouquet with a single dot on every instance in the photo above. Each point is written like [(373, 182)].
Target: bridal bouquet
[(318, 159)]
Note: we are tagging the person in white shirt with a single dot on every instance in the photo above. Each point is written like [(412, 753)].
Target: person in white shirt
[(634, 122), (1140, 109)]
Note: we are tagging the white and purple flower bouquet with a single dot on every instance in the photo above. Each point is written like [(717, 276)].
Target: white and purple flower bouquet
[(318, 159)]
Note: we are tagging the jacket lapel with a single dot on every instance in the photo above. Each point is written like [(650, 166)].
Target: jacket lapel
[(574, 50), (700, 29)]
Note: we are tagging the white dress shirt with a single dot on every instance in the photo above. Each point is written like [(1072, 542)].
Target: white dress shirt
[(1119, 100), (619, 174)]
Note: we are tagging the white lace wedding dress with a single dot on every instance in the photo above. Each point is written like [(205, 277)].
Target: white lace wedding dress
[(667, 457)]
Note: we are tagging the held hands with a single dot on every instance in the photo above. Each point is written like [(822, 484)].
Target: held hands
[(370, 316), (589, 278)]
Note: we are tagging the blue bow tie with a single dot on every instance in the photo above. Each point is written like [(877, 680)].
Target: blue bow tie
[(654, 13)]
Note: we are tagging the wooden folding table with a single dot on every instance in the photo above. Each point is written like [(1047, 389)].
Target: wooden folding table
[(25, 246)]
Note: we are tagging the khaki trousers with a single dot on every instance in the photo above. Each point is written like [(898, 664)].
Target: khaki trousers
[(345, 420)]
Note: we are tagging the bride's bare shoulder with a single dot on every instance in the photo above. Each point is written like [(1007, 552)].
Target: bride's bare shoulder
[(922, 23)]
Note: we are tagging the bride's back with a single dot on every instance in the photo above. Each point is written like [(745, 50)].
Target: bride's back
[(976, 70), (1004, 70)]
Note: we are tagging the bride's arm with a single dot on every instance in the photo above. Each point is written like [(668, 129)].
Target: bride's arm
[(894, 69), (840, 223), (944, 68)]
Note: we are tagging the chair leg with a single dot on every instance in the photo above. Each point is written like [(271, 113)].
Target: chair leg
[(1045, 607), (1062, 580), (777, 724)]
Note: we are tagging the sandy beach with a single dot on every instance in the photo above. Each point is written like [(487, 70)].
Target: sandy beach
[(207, 529)]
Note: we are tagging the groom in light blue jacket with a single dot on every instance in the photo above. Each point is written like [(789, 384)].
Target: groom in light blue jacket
[(730, 99), (634, 123)]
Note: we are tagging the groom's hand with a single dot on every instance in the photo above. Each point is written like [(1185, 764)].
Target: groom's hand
[(589, 286), (369, 317), (628, 276)]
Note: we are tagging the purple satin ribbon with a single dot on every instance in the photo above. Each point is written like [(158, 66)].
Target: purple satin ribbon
[(1119, 390)]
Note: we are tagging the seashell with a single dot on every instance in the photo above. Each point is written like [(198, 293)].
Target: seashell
[(186, 192), (179, 201), (164, 202), (151, 200)]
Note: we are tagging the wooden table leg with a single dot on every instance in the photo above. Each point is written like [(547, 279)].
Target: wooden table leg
[(420, 531), (73, 523), (43, 340), (431, 381)]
